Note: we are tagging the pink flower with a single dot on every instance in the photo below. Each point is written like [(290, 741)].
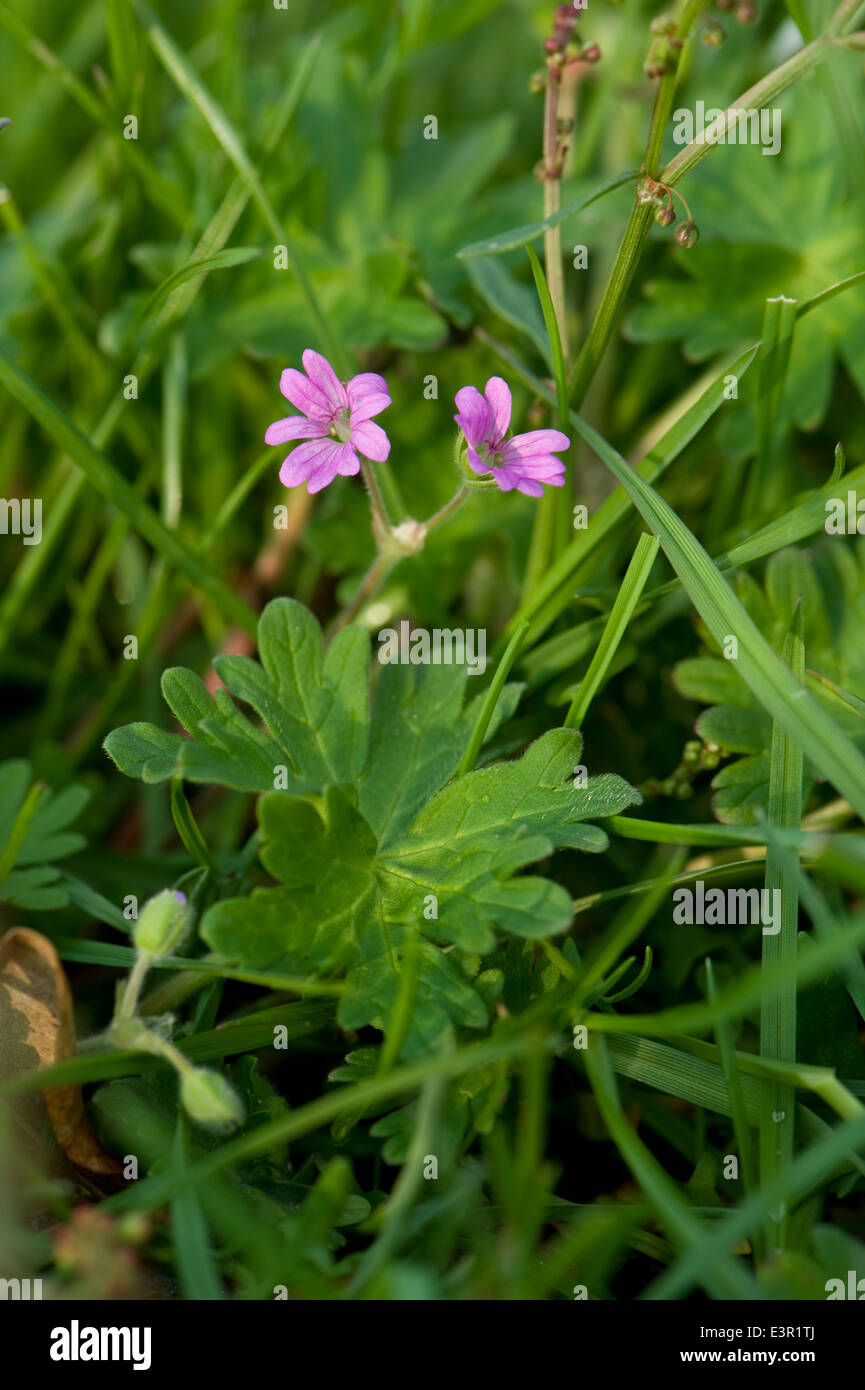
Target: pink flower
[(336, 422), (523, 462)]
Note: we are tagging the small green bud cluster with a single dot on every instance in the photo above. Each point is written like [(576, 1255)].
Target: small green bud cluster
[(206, 1096), (652, 193)]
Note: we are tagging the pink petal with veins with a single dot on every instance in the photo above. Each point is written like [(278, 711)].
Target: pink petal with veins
[(364, 407), (371, 440), (535, 443), (364, 383), (498, 395), (304, 395), (322, 376), (348, 463), (307, 459), (475, 417), (294, 427)]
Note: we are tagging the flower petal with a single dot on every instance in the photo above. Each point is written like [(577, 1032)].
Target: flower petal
[(366, 384), (349, 463), (371, 440), (304, 395), (536, 442), (294, 427), (310, 458), (367, 405), (322, 375), (498, 395), (474, 417), (531, 489), (508, 479)]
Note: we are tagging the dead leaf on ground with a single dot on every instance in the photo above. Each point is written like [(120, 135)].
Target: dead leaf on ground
[(37, 1029)]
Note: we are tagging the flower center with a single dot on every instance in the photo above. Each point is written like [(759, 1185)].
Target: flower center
[(341, 427), (490, 456)]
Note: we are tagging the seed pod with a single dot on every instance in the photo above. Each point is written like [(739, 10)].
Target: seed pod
[(687, 234), (163, 923), (209, 1100)]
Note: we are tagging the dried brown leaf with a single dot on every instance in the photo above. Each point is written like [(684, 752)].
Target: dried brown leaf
[(37, 1029)]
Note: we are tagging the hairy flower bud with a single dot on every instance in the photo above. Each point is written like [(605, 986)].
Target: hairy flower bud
[(162, 923), (687, 234), (209, 1100)]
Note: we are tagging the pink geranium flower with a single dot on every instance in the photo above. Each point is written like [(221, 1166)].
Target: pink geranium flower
[(524, 462), (336, 423)]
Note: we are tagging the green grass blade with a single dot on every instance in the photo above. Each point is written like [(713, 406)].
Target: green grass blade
[(195, 1261), (775, 686), (620, 615), (721, 1276), (735, 1090), (503, 670), (778, 1007), (521, 236), (186, 79)]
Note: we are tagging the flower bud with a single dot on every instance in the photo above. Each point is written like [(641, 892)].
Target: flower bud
[(712, 34), (538, 81), (591, 54), (658, 59), (162, 923), (209, 1100), (687, 234), (747, 11), (665, 215)]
